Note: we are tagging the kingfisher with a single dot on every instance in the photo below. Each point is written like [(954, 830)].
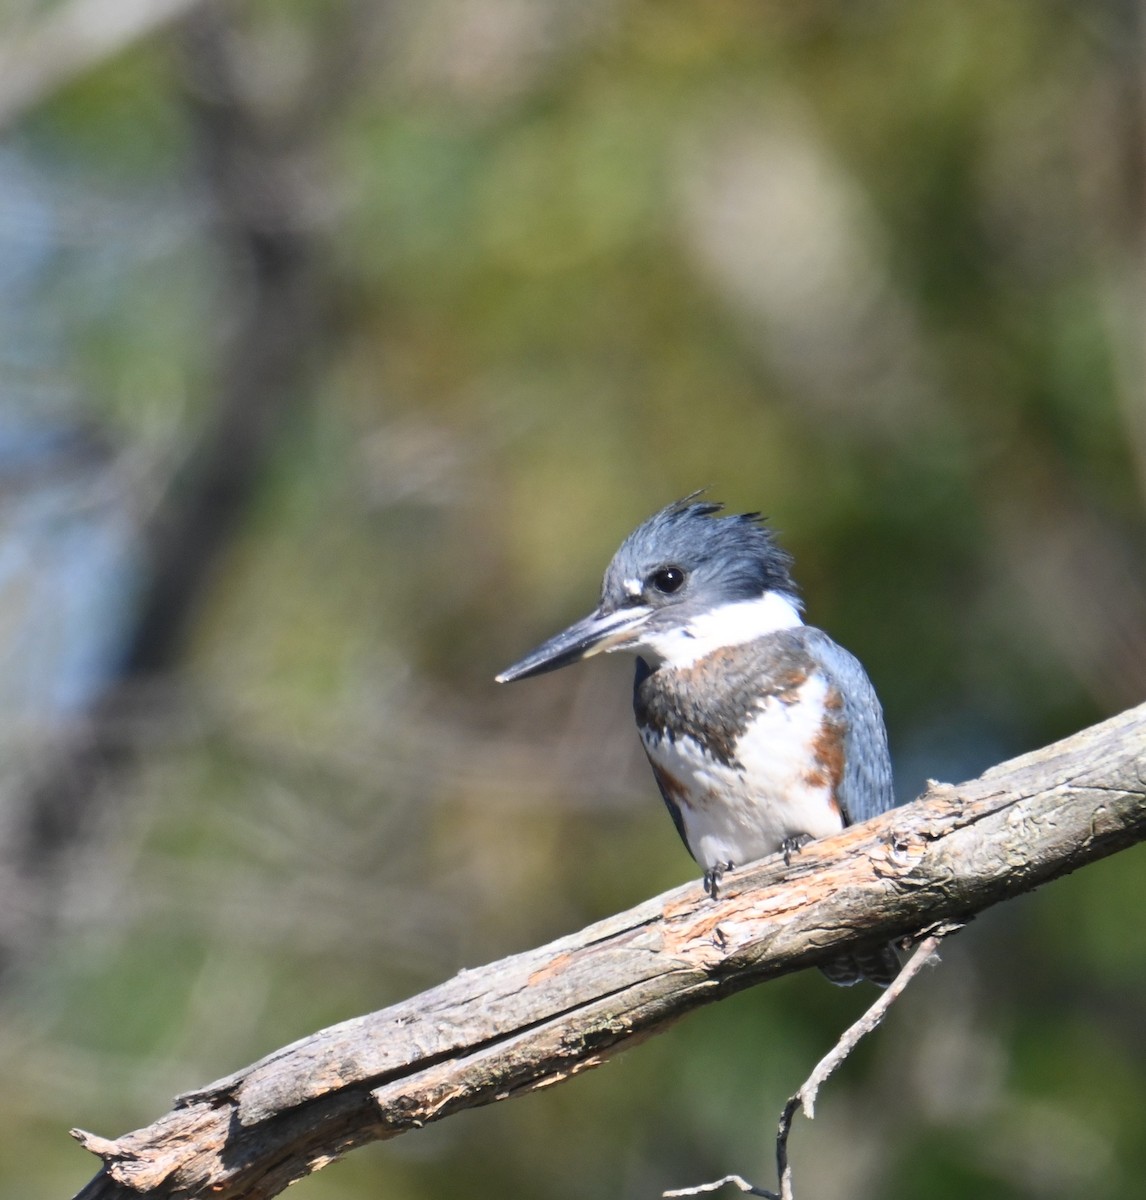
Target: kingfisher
[(761, 731)]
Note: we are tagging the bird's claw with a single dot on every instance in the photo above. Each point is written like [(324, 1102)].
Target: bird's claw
[(712, 879), (793, 844)]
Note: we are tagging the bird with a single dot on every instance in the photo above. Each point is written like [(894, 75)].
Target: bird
[(762, 732)]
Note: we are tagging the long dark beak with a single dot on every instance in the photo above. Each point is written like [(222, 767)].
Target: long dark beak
[(597, 632)]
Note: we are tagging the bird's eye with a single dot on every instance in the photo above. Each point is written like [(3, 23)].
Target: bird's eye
[(668, 580)]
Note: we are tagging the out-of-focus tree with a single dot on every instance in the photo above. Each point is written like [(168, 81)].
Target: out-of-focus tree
[(342, 342)]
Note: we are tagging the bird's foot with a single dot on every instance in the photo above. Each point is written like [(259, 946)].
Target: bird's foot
[(793, 845), (712, 878)]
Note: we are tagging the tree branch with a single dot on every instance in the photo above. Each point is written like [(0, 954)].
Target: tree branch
[(536, 1018), (266, 234), (74, 38), (805, 1098)]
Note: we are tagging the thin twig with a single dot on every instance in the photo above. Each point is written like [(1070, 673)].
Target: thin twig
[(735, 1180), (805, 1098)]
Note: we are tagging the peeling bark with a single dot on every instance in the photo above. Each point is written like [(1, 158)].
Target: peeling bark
[(534, 1019)]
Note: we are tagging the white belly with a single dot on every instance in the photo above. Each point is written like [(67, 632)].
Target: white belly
[(735, 814)]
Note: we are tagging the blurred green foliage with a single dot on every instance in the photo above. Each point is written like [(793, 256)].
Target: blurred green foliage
[(875, 270)]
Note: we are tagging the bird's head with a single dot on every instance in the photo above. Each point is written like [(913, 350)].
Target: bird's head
[(683, 583)]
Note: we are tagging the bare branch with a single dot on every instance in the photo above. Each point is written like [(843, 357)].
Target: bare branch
[(536, 1018), (805, 1098), (75, 38), (736, 1180), (282, 330)]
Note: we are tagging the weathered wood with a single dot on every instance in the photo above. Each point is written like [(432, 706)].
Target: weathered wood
[(536, 1018)]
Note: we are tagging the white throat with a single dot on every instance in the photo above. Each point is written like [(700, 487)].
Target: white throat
[(729, 625)]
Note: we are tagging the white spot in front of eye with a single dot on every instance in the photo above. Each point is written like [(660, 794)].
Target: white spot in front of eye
[(632, 587)]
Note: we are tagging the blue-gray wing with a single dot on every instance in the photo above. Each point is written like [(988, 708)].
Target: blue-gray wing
[(866, 787)]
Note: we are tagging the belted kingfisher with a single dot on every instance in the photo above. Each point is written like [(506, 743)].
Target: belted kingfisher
[(762, 732)]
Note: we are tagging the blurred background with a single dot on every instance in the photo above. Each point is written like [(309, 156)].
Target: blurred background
[(340, 345)]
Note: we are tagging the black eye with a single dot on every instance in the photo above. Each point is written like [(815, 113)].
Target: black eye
[(668, 580)]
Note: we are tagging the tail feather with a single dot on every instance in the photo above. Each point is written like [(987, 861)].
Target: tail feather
[(878, 964)]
